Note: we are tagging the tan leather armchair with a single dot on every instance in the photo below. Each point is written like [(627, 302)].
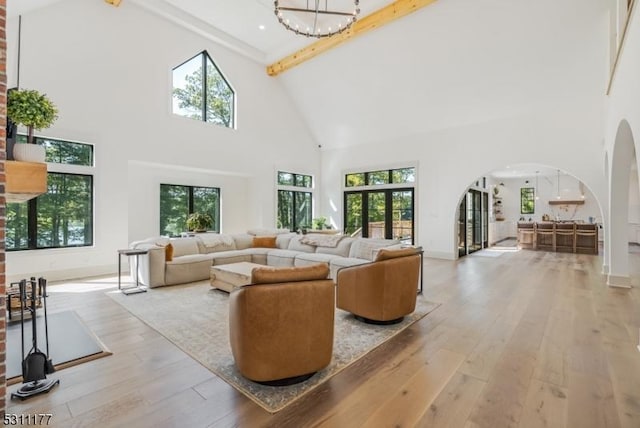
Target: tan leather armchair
[(281, 326), (381, 292)]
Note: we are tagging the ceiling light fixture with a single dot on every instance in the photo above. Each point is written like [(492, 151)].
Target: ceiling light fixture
[(313, 18), (558, 193), (536, 191)]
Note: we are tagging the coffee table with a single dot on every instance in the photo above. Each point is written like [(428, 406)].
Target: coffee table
[(232, 276)]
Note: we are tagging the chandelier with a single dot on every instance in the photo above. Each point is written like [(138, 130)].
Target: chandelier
[(313, 18)]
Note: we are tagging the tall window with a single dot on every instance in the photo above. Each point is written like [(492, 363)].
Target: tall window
[(201, 92), (295, 204), (177, 202), (383, 207), (63, 216), (527, 200)]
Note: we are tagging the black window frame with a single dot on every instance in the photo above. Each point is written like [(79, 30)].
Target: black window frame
[(206, 58), (527, 194), (302, 185), (191, 204), (369, 174), (32, 204)]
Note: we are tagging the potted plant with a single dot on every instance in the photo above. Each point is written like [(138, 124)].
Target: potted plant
[(34, 110), (319, 223), (199, 222)]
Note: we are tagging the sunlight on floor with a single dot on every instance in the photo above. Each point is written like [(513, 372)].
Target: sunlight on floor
[(87, 285)]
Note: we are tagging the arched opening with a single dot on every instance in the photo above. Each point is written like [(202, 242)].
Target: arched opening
[(524, 193), (623, 160)]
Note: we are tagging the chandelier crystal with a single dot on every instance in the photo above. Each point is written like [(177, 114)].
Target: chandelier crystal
[(314, 18)]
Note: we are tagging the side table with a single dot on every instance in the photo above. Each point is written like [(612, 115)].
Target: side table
[(131, 252)]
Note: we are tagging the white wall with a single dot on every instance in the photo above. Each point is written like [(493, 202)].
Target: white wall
[(109, 72), (449, 160), (623, 105), (570, 189)]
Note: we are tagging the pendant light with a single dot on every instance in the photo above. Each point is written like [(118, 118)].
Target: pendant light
[(536, 191), (558, 193)]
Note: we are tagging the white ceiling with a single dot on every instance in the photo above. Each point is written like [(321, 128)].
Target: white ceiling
[(449, 65), (243, 19)]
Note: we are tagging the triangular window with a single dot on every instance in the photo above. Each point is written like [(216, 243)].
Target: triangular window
[(210, 99)]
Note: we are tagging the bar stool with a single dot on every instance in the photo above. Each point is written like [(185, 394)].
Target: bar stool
[(546, 236), (526, 235), (586, 238), (565, 236)]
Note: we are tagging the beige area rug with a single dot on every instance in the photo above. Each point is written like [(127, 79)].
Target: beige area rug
[(195, 318)]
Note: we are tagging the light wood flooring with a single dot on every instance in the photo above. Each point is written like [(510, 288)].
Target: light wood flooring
[(525, 339)]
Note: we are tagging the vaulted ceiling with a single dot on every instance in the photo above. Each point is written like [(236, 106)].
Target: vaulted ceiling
[(448, 65)]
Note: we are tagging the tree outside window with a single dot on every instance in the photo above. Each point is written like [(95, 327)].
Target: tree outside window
[(201, 92), (527, 200), (295, 207), (177, 202), (63, 216)]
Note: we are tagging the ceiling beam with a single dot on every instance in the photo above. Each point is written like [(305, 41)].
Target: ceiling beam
[(380, 17), (115, 3)]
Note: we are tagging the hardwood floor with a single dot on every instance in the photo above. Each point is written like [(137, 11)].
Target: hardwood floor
[(526, 339)]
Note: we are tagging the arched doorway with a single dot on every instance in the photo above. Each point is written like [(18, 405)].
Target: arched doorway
[(528, 193), (622, 159)]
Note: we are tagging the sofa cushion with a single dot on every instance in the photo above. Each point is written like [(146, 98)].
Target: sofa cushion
[(189, 268), (267, 231), (212, 242), (363, 248), (342, 249), (242, 240), (281, 257), (341, 262), (296, 245), (283, 239), (264, 242), (184, 246), (307, 259), (271, 275), (228, 257)]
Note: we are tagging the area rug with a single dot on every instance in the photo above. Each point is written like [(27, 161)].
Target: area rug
[(195, 318), (70, 343)]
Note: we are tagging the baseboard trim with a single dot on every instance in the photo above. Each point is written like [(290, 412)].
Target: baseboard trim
[(618, 281), (70, 274)]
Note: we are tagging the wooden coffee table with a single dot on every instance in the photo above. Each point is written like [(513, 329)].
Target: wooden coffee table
[(232, 276)]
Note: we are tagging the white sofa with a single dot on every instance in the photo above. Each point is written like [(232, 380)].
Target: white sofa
[(194, 256)]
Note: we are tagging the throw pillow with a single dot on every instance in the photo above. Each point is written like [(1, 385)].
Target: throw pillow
[(168, 251), (264, 242)]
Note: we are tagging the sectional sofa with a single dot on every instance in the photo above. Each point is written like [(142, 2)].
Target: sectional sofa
[(193, 256)]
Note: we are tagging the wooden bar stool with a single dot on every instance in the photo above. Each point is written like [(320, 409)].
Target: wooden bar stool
[(526, 235), (546, 236), (565, 237), (586, 238)]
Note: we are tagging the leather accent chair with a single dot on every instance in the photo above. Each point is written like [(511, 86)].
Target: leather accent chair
[(383, 291), (281, 326)]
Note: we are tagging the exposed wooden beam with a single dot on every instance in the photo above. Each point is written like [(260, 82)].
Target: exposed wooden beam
[(115, 3), (380, 17)]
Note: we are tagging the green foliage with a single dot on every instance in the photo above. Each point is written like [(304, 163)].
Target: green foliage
[(31, 108), (319, 223), (218, 98), (64, 215), (199, 222)]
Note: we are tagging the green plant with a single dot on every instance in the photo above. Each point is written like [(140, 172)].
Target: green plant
[(32, 109), (199, 222), (319, 223)]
